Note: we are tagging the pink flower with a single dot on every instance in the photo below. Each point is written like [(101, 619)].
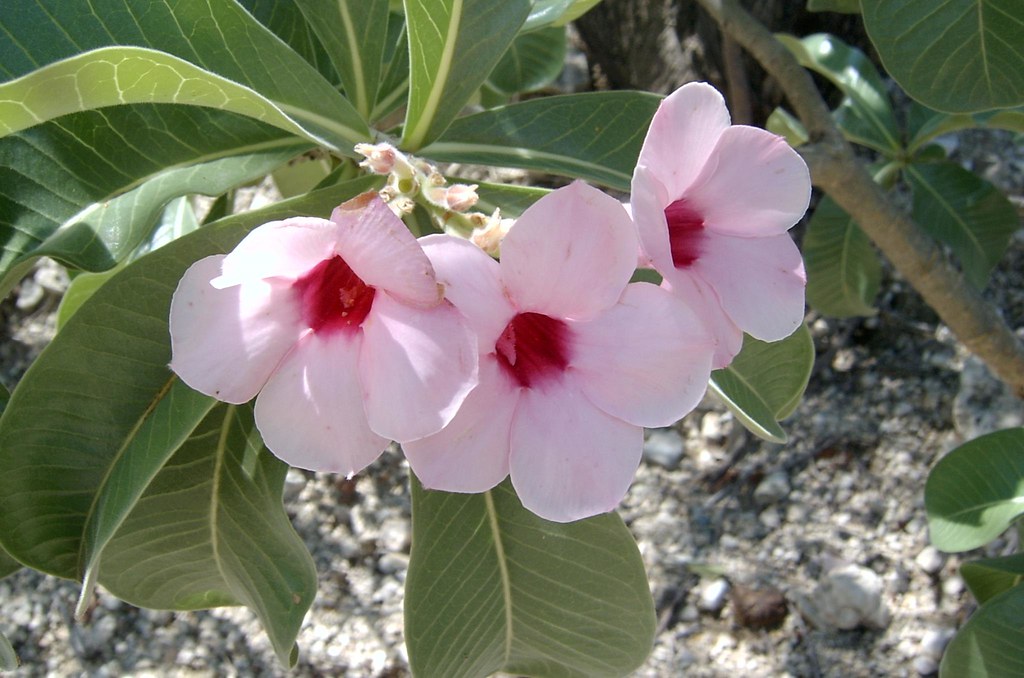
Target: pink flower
[(340, 326), (573, 360), (712, 203)]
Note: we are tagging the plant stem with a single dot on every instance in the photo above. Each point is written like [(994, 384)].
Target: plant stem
[(836, 170)]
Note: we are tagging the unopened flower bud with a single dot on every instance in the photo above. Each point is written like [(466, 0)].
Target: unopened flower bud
[(489, 237), (380, 158)]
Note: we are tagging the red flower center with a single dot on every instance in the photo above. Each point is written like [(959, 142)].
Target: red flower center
[(534, 348), (685, 226), (333, 297)]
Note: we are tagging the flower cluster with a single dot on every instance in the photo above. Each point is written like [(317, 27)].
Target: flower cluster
[(544, 365)]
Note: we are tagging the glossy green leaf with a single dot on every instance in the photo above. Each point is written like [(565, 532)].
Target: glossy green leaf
[(8, 565), (957, 56), (82, 286), (556, 12), (964, 211), (841, 6), (924, 124), (511, 199), (217, 37), (991, 643), (301, 175), (532, 61), (111, 76), (211, 530), (975, 492), (351, 32), (988, 577), (865, 115), (8, 657), (594, 136), (287, 22), (78, 413), (492, 587), (765, 382), (87, 188), (395, 79), (178, 219), (785, 124), (453, 46), (843, 271)]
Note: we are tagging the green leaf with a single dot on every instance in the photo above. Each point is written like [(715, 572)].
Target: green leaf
[(924, 124), (211, 530), (351, 32), (78, 415), (594, 136), (453, 46), (785, 124), (511, 199), (287, 22), (177, 220), (841, 6), (964, 211), (865, 114), (112, 76), (532, 61), (395, 81), (8, 565), (988, 577), (843, 271), (975, 492), (492, 587), (217, 37), (8, 657), (765, 382), (82, 286), (991, 643), (956, 56), (87, 188)]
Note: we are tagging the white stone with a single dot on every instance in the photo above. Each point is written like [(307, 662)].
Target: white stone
[(930, 560), (847, 597), (712, 595), (664, 447)]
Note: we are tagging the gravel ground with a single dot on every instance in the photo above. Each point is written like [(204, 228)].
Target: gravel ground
[(804, 559)]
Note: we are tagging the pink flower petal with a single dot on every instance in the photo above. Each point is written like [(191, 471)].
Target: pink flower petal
[(284, 249), (760, 282), (472, 281), (682, 136), (570, 254), (383, 253), (471, 453), (753, 185), (647, 360), (416, 366), (226, 342), (311, 414), (649, 200), (727, 337), (569, 460)]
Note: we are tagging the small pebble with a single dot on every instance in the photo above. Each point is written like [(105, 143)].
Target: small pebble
[(926, 666), (930, 560), (664, 447), (713, 595), (773, 488)]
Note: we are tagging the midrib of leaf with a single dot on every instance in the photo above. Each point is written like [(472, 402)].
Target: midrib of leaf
[(964, 226), (362, 103), (981, 45), (506, 583), (415, 139), (385, 104), (454, 147), (986, 505), (222, 443), (160, 395)]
